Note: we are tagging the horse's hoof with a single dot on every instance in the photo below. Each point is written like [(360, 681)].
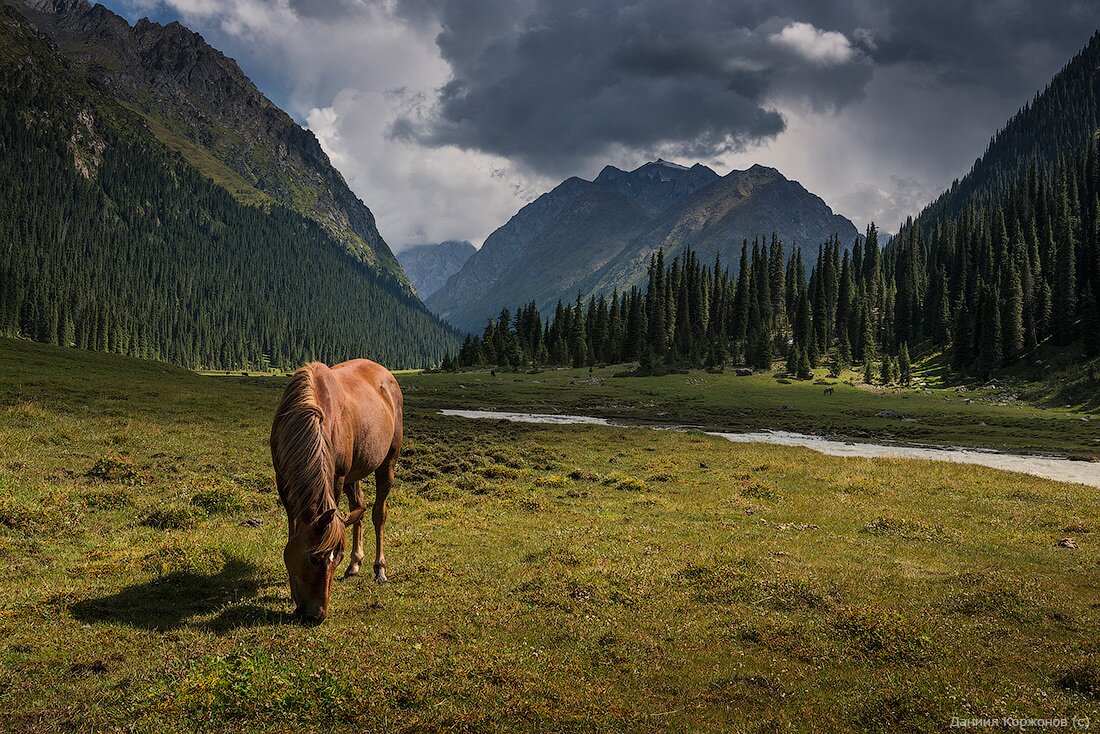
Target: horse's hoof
[(349, 574), (380, 578)]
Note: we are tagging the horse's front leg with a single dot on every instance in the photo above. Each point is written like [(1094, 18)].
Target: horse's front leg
[(355, 501), (383, 478)]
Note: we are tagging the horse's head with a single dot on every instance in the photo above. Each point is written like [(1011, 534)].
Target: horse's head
[(311, 555)]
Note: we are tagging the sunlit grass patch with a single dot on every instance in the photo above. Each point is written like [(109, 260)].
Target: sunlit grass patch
[(867, 486), (110, 498), (760, 491), (993, 595), (904, 529), (217, 498), (885, 633), (515, 604), (114, 469), (171, 518), (626, 482)]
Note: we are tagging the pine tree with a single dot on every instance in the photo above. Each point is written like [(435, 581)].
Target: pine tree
[(886, 370), (794, 356), (805, 368), (904, 366), (1090, 323), (1065, 281)]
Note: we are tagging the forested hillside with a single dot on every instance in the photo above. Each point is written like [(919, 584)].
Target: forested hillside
[(111, 241), (199, 103), (1009, 257), (1003, 266)]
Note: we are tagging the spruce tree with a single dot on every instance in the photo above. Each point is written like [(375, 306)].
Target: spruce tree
[(794, 356), (904, 366)]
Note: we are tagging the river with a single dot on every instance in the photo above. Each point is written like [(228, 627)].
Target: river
[(1049, 467)]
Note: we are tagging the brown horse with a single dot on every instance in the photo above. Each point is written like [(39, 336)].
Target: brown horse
[(333, 427)]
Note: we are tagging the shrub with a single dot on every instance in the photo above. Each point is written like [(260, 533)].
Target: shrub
[(624, 482), (171, 518), (113, 469), (760, 491)]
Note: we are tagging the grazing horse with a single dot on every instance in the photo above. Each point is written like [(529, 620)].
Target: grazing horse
[(333, 427)]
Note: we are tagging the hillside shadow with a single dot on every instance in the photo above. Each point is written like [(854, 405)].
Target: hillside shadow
[(172, 601)]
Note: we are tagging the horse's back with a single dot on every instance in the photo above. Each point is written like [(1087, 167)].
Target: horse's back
[(367, 397)]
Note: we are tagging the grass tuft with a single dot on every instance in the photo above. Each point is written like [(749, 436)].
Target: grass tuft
[(904, 529), (171, 518)]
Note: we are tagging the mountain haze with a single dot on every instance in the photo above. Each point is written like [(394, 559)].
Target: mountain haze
[(596, 236), (429, 266)]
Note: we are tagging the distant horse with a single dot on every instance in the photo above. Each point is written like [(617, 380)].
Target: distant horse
[(828, 391), (333, 427)]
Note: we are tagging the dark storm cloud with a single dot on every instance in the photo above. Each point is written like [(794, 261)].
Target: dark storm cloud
[(552, 82), (555, 81)]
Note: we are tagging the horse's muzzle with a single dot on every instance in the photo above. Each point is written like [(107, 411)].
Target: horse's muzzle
[(310, 615)]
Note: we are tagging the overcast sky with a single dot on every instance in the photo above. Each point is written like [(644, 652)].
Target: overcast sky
[(447, 116)]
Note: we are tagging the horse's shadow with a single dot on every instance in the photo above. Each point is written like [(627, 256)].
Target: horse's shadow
[(177, 599)]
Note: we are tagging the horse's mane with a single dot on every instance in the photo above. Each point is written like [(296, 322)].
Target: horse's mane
[(303, 458)]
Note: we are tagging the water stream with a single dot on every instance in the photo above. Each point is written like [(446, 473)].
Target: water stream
[(1049, 467)]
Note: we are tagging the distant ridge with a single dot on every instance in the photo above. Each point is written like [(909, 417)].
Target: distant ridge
[(429, 266)]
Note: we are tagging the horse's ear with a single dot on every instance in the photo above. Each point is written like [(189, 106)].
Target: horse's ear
[(355, 516), (324, 519)]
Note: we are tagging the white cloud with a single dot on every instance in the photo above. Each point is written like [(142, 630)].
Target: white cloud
[(417, 194), (825, 48)]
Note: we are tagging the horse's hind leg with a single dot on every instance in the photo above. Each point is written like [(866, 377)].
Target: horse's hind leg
[(355, 501), (383, 478)]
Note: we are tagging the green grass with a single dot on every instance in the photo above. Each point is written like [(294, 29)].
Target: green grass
[(543, 578), (204, 161), (990, 417)]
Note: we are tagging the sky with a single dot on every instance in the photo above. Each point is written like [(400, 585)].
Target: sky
[(447, 116)]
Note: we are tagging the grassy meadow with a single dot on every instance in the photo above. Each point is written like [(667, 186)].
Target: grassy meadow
[(543, 578), (993, 416)]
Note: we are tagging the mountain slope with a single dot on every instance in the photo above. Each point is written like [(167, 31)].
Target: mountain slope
[(112, 241), (596, 236), (429, 266), (1003, 269), (199, 102), (717, 219), (1061, 119)]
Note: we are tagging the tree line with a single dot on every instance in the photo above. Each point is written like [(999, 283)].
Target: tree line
[(694, 314), (981, 289)]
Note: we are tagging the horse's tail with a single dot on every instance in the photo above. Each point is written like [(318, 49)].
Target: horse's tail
[(301, 453)]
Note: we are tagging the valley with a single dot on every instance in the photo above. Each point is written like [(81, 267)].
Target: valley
[(684, 448), (542, 577)]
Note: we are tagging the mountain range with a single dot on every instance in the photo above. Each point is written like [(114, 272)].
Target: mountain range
[(430, 265), (586, 237)]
